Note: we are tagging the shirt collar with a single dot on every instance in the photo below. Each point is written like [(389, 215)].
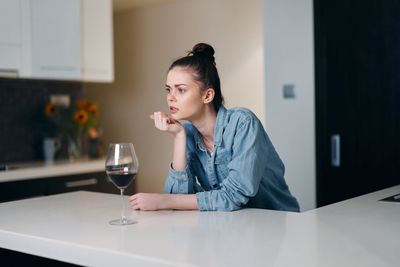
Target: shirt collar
[(219, 123)]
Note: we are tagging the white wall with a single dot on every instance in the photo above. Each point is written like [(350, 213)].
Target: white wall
[(147, 40), (289, 59)]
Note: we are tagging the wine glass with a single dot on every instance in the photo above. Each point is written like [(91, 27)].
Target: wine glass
[(121, 167)]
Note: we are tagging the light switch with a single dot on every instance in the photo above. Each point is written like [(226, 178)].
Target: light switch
[(288, 91)]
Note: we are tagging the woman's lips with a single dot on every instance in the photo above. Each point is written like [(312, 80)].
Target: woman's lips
[(173, 110)]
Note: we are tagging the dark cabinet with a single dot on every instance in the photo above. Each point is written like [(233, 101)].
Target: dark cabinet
[(96, 182), (357, 97), (88, 182), (22, 189)]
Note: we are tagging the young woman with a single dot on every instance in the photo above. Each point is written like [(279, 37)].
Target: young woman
[(222, 159)]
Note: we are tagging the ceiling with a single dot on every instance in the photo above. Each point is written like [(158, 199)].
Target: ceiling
[(122, 5)]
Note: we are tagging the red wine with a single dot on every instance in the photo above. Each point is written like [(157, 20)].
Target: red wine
[(121, 179)]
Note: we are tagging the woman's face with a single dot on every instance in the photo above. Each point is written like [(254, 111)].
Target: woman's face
[(184, 95)]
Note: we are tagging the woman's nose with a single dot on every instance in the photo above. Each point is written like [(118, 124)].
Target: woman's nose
[(171, 96)]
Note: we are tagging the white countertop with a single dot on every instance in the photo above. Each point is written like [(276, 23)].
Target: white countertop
[(74, 227), (59, 168)]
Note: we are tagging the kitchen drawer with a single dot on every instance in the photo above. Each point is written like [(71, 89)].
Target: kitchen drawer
[(87, 182), (97, 182)]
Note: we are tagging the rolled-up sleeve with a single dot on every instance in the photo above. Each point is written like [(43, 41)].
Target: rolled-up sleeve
[(181, 182), (177, 181), (245, 170)]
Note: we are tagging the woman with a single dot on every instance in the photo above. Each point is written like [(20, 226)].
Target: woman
[(222, 159)]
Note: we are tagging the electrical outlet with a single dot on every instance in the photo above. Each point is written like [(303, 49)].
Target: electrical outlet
[(60, 100)]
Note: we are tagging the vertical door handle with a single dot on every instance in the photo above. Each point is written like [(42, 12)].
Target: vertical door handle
[(335, 150)]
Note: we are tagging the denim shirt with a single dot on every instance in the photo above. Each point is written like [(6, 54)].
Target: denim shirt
[(244, 169)]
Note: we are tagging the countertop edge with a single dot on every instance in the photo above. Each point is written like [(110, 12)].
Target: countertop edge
[(46, 171), (44, 247)]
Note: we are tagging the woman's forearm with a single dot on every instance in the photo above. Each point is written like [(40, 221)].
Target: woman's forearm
[(179, 154), (180, 202), (155, 201)]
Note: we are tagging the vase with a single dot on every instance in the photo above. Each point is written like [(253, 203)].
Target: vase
[(50, 147), (78, 146), (73, 151)]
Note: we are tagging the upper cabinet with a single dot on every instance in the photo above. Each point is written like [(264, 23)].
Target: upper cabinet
[(57, 39), (97, 41), (10, 36)]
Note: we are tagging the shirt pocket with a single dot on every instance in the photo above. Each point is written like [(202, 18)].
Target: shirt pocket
[(222, 159)]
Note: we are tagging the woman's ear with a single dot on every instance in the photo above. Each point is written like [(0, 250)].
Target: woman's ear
[(208, 95)]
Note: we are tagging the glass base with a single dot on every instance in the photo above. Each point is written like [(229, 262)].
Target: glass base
[(122, 222)]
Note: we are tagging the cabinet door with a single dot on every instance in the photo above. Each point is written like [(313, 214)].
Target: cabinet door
[(10, 38), (97, 41), (56, 39), (357, 94)]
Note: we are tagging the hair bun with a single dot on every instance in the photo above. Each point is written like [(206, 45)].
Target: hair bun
[(203, 50)]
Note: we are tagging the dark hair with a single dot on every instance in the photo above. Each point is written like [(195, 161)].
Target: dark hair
[(202, 62)]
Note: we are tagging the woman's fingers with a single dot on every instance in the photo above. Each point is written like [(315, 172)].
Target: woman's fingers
[(135, 207), (161, 120), (171, 121), (145, 201), (133, 202), (164, 123), (156, 119), (159, 123)]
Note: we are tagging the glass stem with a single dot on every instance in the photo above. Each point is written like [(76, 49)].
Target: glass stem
[(123, 218)]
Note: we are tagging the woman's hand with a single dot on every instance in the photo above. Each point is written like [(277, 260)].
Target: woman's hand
[(166, 124), (147, 201), (174, 127)]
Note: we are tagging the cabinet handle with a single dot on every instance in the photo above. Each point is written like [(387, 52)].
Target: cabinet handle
[(57, 68), (91, 181), (335, 150)]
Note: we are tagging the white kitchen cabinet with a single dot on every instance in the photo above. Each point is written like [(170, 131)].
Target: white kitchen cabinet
[(72, 39), (10, 36), (56, 39), (97, 41)]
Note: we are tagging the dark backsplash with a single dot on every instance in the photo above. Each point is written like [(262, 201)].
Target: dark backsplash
[(21, 105)]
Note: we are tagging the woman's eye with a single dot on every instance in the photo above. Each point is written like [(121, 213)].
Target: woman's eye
[(168, 90), (181, 90)]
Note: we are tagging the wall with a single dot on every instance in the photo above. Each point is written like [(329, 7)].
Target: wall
[(147, 40), (289, 59), (21, 106)]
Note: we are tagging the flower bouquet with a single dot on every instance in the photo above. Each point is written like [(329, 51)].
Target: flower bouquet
[(77, 124)]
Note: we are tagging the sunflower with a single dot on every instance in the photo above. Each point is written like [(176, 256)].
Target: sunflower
[(93, 108), (81, 116), (49, 109), (82, 104)]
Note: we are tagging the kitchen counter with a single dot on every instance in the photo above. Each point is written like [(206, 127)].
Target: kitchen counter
[(73, 227), (37, 170)]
